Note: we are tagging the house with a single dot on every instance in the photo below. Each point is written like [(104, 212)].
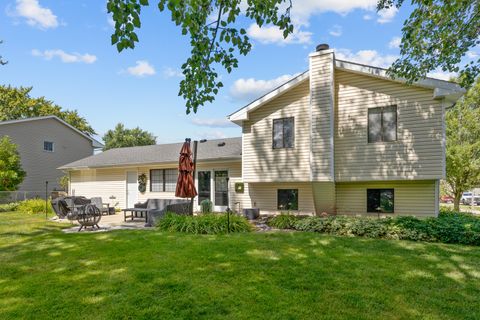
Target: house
[(341, 138), (44, 144)]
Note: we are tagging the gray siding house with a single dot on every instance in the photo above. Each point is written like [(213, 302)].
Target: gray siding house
[(44, 144)]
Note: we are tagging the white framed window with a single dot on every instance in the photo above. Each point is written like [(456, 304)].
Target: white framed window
[(163, 180), (48, 146)]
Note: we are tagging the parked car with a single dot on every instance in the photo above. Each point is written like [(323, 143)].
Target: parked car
[(467, 199), (446, 199)]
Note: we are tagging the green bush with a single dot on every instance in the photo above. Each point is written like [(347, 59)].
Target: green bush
[(206, 206), (283, 221), (449, 227), (8, 207), (203, 224), (34, 206)]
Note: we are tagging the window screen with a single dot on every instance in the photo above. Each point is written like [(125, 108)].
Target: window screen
[(163, 180), (283, 133), (382, 124)]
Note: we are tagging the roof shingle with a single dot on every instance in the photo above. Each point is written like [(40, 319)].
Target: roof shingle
[(160, 153)]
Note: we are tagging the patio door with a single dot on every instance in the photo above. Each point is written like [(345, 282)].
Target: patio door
[(213, 185), (220, 200), (132, 189)]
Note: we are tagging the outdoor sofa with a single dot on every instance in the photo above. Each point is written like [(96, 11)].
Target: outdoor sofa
[(153, 209)]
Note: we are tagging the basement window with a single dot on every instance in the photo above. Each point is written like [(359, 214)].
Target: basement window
[(287, 199), (380, 200)]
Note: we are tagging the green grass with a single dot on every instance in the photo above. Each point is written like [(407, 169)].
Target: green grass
[(47, 274)]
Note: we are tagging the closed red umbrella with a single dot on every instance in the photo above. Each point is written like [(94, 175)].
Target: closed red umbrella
[(185, 184)]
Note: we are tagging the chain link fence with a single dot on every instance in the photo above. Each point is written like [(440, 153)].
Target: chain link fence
[(15, 196)]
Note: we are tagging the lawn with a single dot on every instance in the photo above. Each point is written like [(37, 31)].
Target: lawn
[(45, 274)]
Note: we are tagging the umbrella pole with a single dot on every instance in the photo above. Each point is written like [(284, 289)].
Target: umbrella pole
[(195, 144)]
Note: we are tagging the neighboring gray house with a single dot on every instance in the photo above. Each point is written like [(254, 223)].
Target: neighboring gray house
[(44, 144)]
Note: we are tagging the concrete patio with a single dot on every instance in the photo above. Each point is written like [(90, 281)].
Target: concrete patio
[(107, 223)]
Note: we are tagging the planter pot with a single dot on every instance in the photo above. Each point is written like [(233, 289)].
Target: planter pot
[(251, 214)]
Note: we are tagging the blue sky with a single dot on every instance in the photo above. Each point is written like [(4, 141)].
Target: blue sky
[(62, 49)]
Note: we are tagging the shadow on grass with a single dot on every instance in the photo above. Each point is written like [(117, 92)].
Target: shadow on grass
[(45, 273)]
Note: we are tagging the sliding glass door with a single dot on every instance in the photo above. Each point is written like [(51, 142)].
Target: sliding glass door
[(213, 185)]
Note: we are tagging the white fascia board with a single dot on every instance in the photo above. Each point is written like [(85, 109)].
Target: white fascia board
[(239, 116), (442, 89)]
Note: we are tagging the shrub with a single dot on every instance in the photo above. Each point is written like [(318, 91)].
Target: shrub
[(206, 206), (34, 206), (8, 207), (283, 221), (203, 224), (449, 227)]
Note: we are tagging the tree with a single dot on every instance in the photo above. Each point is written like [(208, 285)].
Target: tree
[(16, 103), (11, 172), (437, 35), (121, 137), (463, 144), (212, 43)]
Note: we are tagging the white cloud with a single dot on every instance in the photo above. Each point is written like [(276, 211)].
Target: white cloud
[(141, 69), (248, 89), (172, 73), (271, 34), (213, 123), (213, 134), (367, 17), (395, 43), (64, 56), (386, 15), (302, 10), (336, 31), (368, 57), (442, 75), (35, 14), (472, 54)]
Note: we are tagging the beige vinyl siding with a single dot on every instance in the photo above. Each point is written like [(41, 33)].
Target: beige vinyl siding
[(106, 183), (41, 165), (322, 95), (418, 151), (264, 196), (324, 197), (410, 197), (262, 163), (110, 183)]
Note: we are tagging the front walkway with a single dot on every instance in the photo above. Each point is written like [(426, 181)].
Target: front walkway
[(107, 223)]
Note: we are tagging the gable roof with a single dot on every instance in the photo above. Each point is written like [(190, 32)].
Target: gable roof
[(211, 150), (95, 143), (442, 89)]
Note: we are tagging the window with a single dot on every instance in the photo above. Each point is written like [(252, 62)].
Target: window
[(287, 199), (382, 124), (380, 200), (163, 180), (48, 146), (283, 133)]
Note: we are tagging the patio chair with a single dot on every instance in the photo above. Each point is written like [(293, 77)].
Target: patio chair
[(104, 207)]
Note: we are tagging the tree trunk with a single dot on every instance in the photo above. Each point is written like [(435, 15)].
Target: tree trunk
[(456, 201)]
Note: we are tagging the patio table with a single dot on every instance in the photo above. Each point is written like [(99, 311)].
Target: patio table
[(134, 212)]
